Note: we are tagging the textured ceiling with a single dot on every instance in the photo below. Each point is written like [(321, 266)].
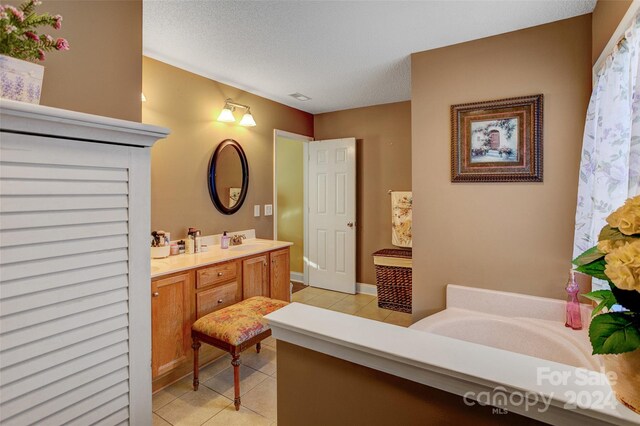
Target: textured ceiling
[(341, 54)]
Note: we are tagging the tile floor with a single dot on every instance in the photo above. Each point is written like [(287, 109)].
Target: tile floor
[(212, 405)]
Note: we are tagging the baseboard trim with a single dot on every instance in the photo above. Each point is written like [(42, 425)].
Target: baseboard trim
[(360, 287), (366, 289)]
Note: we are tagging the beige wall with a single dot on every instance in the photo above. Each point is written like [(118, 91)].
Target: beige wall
[(338, 392), (189, 105), (383, 143), (290, 194), (102, 73), (606, 17), (512, 236)]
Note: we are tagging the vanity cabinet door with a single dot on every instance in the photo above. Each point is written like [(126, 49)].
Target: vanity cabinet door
[(170, 322), (280, 275), (255, 276), (215, 298)]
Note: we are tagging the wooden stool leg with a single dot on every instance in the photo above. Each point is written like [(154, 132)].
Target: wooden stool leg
[(236, 380), (258, 346), (196, 366)]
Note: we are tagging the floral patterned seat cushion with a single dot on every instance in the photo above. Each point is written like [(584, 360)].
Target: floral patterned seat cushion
[(240, 322)]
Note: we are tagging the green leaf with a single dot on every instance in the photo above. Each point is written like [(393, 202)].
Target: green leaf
[(609, 233), (595, 269), (604, 298), (588, 256), (629, 299), (614, 333), (597, 295)]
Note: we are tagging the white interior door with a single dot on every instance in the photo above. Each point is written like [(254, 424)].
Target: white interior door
[(332, 214)]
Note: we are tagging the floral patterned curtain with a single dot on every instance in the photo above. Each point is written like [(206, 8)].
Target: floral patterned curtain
[(610, 164)]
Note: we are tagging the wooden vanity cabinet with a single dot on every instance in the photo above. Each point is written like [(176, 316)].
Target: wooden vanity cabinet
[(171, 319), (255, 276), (179, 299), (217, 287), (280, 276)]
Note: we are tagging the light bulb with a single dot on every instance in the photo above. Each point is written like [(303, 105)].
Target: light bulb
[(247, 120), (226, 116)]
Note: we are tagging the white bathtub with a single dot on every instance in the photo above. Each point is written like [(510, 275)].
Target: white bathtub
[(517, 337), (523, 324)]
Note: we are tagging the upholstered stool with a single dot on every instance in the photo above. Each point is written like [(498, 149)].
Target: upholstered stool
[(233, 329)]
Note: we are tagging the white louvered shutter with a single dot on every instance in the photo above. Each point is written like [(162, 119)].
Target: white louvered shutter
[(67, 271)]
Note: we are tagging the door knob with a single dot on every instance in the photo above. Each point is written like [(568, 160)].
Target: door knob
[(156, 294), (350, 224)]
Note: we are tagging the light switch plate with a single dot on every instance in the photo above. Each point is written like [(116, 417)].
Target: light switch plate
[(268, 209), (256, 210)]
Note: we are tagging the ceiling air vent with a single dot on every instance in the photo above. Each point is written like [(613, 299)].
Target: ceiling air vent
[(300, 96)]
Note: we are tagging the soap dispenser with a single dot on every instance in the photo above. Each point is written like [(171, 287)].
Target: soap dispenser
[(224, 241), (574, 320)]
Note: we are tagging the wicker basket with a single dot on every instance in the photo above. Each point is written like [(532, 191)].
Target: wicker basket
[(393, 278)]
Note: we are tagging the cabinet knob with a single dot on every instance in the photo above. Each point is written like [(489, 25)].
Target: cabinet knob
[(219, 274), (155, 294), (273, 261), (219, 301)]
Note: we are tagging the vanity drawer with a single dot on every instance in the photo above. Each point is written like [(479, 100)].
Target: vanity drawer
[(216, 274), (216, 298)]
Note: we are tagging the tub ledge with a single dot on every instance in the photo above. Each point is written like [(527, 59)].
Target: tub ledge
[(461, 368)]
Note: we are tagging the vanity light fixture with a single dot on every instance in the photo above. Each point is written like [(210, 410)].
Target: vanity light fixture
[(247, 119), (226, 115)]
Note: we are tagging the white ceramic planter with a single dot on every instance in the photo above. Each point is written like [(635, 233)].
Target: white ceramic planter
[(626, 382), (20, 80)]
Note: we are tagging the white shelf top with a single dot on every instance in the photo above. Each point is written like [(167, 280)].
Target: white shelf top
[(22, 117)]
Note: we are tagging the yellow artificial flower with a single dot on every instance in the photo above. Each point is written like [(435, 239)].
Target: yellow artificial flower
[(623, 266), (633, 201), (627, 217), (607, 246)]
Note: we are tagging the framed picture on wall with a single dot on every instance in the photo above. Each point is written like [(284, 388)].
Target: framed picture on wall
[(497, 141)]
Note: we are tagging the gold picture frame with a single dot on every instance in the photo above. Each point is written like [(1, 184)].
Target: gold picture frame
[(497, 141)]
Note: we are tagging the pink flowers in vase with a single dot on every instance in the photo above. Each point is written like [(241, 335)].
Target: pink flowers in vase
[(18, 36)]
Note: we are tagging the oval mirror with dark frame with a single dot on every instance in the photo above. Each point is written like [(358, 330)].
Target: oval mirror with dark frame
[(228, 177)]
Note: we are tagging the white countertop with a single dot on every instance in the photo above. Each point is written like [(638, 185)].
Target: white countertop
[(445, 363), (184, 262)]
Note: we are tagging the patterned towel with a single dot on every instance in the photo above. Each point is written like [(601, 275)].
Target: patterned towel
[(401, 202)]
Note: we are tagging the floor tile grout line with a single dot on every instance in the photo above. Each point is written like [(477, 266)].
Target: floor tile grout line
[(162, 418), (247, 391), (169, 402), (230, 402)]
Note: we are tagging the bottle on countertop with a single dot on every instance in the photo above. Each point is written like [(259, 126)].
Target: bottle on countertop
[(189, 244), (197, 239), (574, 320), (224, 241)]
